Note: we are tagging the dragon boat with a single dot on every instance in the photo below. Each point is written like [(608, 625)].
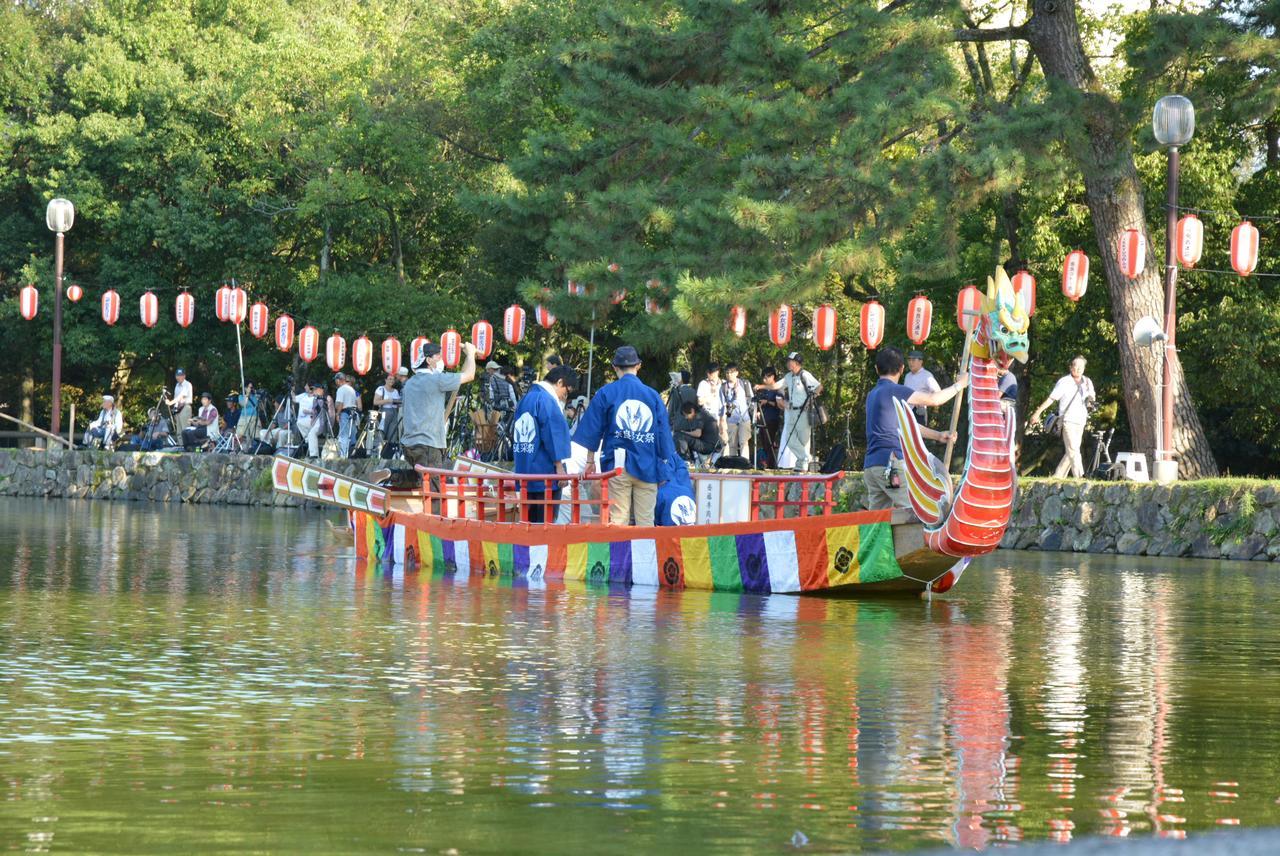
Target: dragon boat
[(763, 533)]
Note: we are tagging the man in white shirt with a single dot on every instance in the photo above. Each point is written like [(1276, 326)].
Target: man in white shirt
[(1075, 396), (183, 396), (347, 405), (709, 397), (798, 387), (387, 399), (312, 416), (107, 428), (920, 379), (737, 396)]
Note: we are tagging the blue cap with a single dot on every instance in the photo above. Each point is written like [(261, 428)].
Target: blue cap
[(625, 357), (181, 372)]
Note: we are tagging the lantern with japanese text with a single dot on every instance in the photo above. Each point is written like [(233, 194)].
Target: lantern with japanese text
[(184, 309), (738, 321), (149, 309), (415, 349), (308, 343), (391, 355), (110, 306), (335, 352), (1075, 275), (1024, 288), (780, 325), (1131, 253), (919, 319), (222, 303), (543, 316), (482, 338), (968, 308), (239, 305), (74, 293), (1244, 248), (259, 319), (28, 301), (824, 326), (871, 324), (1188, 240), (451, 348), (362, 355), (284, 333), (513, 319)]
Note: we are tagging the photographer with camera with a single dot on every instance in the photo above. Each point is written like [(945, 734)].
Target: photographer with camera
[(1076, 400), (386, 399)]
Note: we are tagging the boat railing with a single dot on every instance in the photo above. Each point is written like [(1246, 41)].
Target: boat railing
[(772, 495), (504, 497)]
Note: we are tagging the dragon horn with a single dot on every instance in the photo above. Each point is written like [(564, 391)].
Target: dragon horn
[(991, 289)]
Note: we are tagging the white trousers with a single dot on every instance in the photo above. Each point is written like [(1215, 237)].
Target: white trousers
[(1072, 437), (795, 431)]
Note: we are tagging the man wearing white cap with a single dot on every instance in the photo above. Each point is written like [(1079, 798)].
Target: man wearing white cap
[(109, 425), (799, 387)]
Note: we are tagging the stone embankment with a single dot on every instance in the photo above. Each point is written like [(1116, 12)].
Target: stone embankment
[(1229, 519)]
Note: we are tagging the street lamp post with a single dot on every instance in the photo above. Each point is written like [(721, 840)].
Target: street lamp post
[(58, 217), (1173, 121)]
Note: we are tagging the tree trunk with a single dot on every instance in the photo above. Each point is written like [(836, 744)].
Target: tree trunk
[(1114, 196), (397, 246), (326, 249)]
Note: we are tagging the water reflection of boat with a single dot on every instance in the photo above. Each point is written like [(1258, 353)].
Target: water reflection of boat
[(771, 544)]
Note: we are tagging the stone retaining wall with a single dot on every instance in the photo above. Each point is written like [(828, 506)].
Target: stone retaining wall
[(1231, 519)]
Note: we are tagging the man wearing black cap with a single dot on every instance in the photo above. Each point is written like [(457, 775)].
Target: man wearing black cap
[(799, 388), (347, 408), (424, 405), (630, 420), (920, 379)]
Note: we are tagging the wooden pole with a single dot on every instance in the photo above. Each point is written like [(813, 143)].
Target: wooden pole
[(955, 407)]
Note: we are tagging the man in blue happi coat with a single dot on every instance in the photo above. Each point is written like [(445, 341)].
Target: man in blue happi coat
[(676, 506), (540, 436), (631, 421)]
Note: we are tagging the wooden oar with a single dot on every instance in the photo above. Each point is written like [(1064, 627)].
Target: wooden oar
[(955, 407)]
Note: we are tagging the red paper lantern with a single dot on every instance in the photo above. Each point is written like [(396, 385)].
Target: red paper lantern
[(391, 355), (284, 333), (184, 309), (149, 309), (919, 319), (618, 296), (110, 306), (335, 352), (1024, 288), (652, 283), (576, 289), (513, 319), (415, 349), (653, 306), (74, 293), (28, 301), (824, 326), (1244, 248), (239, 305), (871, 324), (738, 321), (451, 348), (780, 325), (259, 319), (362, 355), (1075, 275), (222, 303), (968, 305), (308, 343), (1132, 253), (543, 316), (614, 267), (1188, 240), (482, 338)]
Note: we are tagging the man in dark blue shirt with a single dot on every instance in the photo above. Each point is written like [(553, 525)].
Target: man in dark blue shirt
[(630, 420), (882, 469), (540, 436)]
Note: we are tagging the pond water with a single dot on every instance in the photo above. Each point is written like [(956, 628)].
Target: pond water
[(186, 680)]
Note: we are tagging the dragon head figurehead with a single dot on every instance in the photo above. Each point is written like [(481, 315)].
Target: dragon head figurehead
[(1002, 330)]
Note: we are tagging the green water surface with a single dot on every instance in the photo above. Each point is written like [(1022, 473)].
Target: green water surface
[(179, 680)]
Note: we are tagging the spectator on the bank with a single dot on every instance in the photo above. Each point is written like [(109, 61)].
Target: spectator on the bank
[(387, 399), (180, 404), (709, 398), (919, 378), (799, 390), (155, 434), (347, 407), (231, 416), (203, 427), (248, 424), (769, 418), (697, 435), (107, 427), (736, 394), (1076, 399), (681, 390)]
